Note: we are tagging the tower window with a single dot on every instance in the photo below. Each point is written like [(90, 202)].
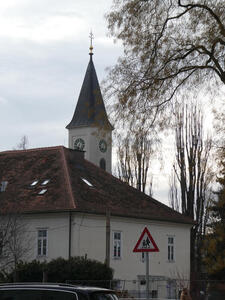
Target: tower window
[(102, 164)]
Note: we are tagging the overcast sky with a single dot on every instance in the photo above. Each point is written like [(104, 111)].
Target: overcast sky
[(44, 46), (43, 58)]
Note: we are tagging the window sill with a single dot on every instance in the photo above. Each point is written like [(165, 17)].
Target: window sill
[(41, 256)]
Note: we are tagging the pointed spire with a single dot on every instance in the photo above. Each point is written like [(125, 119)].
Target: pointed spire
[(91, 46), (90, 109)]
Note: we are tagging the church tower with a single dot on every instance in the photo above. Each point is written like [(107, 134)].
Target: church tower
[(90, 129)]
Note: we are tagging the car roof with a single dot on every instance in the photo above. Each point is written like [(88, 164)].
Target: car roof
[(55, 286)]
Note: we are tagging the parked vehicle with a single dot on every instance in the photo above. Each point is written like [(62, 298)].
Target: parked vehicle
[(53, 291)]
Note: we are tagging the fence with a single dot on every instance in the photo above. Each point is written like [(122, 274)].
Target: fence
[(161, 288)]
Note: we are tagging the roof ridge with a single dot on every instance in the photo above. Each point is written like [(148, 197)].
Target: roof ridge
[(67, 176), (33, 149)]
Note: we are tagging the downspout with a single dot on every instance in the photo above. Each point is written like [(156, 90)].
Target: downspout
[(107, 255), (70, 229)]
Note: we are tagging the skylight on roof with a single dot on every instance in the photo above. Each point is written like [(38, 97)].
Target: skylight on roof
[(42, 192), (34, 183), (46, 181), (87, 182)]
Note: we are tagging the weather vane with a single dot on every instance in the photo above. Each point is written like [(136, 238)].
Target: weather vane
[(91, 39)]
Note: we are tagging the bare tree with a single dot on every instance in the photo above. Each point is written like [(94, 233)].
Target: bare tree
[(169, 45), (174, 199), (15, 241), (193, 175), (23, 144), (135, 153)]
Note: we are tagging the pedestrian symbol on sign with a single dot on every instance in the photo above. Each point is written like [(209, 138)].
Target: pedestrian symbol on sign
[(146, 243)]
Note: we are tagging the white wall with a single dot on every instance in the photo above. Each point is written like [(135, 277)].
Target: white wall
[(89, 238), (57, 226)]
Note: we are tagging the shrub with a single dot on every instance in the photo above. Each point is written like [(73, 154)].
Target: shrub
[(29, 271), (73, 270), (78, 269)]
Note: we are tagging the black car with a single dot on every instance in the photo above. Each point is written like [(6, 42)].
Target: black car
[(53, 291)]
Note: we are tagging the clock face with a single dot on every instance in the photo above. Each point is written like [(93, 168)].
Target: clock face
[(103, 146), (79, 144)]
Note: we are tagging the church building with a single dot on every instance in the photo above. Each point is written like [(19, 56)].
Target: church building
[(73, 206)]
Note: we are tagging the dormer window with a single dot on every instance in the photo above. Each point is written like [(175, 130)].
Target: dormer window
[(35, 182), (45, 182), (87, 182), (3, 186), (42, 192)]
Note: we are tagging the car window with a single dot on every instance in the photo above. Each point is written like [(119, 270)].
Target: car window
[(82, 296), (103, 296), (36, 295)]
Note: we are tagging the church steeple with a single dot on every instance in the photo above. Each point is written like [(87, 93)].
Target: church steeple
[(90, 109), (90, 129)]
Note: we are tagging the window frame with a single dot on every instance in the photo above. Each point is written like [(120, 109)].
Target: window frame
[(117, 242), (170, 248), (143, 257), (154, 294), (42, 239)]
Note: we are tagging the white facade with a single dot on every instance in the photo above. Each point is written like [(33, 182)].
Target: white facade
[(88, 238), (92, 138)]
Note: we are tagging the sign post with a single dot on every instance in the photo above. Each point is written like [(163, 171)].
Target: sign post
[(147, 274), (146, 244)]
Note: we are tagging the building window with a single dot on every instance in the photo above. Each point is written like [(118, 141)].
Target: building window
[(170, 248), (116, 244), (143, 256), (42, 242), (103, 164), (154, 294)]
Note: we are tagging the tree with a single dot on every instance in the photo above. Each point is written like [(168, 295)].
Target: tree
[(192, 172), (23, 144), (15, 241), (215, 240), (219, 126), (168, 45), (135, 152)]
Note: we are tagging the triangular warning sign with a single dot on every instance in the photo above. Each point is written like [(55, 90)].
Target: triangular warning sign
[(146, 243)]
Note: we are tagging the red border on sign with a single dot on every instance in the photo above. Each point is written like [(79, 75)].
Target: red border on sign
[(155, 249)]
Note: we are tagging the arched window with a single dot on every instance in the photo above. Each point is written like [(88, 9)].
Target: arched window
[(102, 164)]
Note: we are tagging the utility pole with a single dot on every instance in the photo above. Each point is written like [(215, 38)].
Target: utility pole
[(107, 253)]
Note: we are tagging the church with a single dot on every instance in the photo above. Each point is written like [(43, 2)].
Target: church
[(74, 206)]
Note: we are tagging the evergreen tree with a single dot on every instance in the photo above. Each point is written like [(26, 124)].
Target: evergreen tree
[(215, 242)]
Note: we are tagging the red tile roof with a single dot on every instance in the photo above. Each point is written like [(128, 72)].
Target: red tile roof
[(66, 190)]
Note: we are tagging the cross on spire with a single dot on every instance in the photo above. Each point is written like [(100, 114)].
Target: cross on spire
[(91, 36)]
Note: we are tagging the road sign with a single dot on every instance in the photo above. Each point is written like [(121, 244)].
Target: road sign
[(146, 243)]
